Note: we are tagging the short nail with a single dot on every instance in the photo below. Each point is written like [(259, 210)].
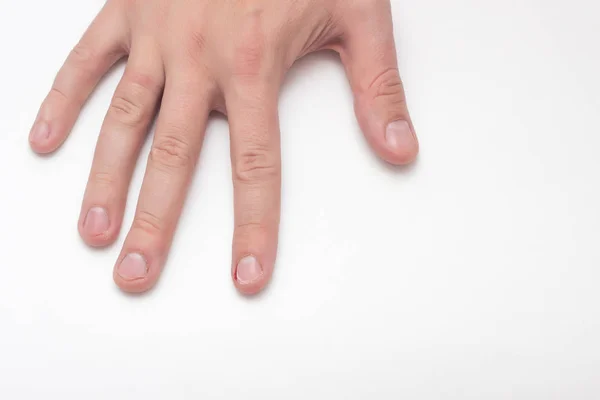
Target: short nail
[(248, 270), (132, 267), (40, 132), (96, 222), (399, 135)]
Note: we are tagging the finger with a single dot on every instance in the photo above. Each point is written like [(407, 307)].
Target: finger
[(123, 132), (177, 143), (256, 166), (369, 56), (101, 46)]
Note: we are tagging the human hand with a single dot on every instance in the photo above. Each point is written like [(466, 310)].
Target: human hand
[(192, 57)]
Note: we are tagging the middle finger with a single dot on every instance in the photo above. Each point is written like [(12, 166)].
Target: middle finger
[(179, 135)]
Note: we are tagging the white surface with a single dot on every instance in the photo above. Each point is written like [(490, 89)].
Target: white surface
[(473, 275)]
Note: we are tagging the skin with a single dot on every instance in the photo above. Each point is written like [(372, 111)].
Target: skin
[(187, 58)]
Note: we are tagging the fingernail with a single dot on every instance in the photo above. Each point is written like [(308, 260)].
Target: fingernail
[(96, 222), (132, 267), (248, 270), (40, 132), (399, 135)]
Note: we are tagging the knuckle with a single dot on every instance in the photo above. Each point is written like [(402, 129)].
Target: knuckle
[(85, 59), (251, 229), (55, 91), (103, 179), (147, 222), (196, 43), (255, 166), (247, 231), (198, 40), (170, 152), (388, 85), (131, 103), (126, 110), (91, 58), (254, 50), (193, 48), (249, 59), (82, 54)]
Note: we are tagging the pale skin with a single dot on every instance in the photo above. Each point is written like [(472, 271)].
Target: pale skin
[(187, 58)]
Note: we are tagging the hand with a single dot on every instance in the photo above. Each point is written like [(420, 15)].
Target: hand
[(198, 56)]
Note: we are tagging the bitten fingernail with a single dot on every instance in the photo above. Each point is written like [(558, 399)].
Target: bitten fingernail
[(133, 267), (96, 222), (40, 132), (399, 135), (248, 270)]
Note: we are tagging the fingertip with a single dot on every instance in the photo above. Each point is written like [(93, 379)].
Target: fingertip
[(131, 287), (394, 142)]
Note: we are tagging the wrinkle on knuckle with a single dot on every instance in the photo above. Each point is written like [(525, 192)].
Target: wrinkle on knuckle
[(255, 227), (255, 166), (197, 40), (104, 179), (388, 85), (194, 47), (147, 222), (171, 152), (244, 230), (126, 110), (383, 78), (133, 98), (82, 54), (57, 92), (86, 60)]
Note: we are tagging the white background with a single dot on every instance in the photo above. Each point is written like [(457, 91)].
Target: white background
[(472, 275)]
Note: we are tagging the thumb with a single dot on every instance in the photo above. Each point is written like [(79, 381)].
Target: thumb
[(369, 57)]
